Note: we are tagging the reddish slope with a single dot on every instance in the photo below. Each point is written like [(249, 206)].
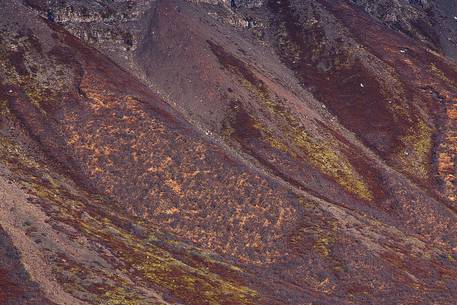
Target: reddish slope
[(257, 107), (126, 201)]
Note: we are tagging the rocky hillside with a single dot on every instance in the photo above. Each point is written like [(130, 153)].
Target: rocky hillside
[(228, 152)]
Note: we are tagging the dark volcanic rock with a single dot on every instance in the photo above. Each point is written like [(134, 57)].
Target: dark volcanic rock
[(432, 22)]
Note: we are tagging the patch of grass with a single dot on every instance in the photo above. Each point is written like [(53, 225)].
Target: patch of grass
[(325, 239), (416, 154), (441, 75)]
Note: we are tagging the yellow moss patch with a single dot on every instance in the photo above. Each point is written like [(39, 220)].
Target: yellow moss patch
[(161, 269), (322, 246), (437, 71), (120, 296), (325, 239), (322, 155), (415, 157)]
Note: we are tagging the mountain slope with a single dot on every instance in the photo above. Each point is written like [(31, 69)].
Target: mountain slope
[(176, 152)]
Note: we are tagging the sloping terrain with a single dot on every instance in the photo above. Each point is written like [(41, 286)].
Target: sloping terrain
[(227, 152)]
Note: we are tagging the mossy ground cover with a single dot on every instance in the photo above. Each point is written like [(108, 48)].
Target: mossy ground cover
[(321, 153), (152, 265)]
